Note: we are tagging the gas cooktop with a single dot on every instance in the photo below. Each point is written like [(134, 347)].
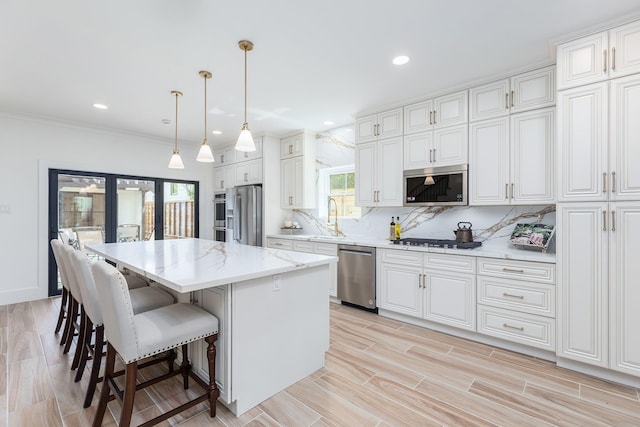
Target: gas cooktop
[(437, 243)]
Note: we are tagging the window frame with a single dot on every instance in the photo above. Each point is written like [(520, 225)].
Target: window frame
[(324, 188)]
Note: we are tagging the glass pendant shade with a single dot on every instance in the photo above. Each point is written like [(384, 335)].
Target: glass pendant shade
[(205, 155), (176, 161), (245, 140), (429, 180)]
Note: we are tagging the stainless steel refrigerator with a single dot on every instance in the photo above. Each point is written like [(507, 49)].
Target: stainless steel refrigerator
[(244, 215)]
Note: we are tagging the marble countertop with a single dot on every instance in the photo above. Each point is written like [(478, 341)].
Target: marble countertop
[(493, 250), (186, 265)]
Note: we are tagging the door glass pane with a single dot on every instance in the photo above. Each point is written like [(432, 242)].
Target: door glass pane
[(179, 212), (136, 210)]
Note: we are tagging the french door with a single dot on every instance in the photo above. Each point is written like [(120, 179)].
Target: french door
[(89, 207)]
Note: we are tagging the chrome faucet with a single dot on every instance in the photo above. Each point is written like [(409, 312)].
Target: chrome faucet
[(336, 232)]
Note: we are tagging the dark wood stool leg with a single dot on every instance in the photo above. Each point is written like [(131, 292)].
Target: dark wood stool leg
[(68, 320), (73, 318), (104, 395), (129, 394), (214, 393), (81, 336), (63, 309), (171, 357), (186, 366), (95, 366), (86, 344)]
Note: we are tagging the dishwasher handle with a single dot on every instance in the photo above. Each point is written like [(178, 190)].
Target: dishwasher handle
[(351, 251)]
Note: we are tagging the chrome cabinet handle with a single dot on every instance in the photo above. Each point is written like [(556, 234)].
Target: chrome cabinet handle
[(506, 101), (278, 244), (512, 190), (222, 184), (613, 58), (604, 54), (420, 280), (604, 182), (290, 149), (604, 220), (613, 220), (434, 155), (246, 154), (506, 190), (434, 117), (517, 328), (246, 177), (430, 117), (512, 270), (613, 182), (513, 95), (221, 158), (512, 296)]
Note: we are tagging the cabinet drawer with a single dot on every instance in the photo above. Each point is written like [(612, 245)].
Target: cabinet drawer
[(521, 270), (403, 257), (457, 263), (535, 331), (302, 246), (280, 244), (527, 297), (326, 249)]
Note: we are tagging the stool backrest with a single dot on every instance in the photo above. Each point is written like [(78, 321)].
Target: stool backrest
[(117, 313), (81, 265), (74, 287), (56, 247)]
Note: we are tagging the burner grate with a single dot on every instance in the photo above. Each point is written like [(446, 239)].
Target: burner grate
[(436, 243)]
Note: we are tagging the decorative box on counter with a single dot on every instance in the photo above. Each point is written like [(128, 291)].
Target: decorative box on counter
[(535, 236)]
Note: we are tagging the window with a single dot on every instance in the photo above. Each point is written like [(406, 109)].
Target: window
[(338, 183)]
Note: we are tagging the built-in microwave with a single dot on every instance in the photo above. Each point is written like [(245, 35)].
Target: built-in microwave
[(443, 186)]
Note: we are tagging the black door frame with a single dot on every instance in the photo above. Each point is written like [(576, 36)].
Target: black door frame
[(111, 210)]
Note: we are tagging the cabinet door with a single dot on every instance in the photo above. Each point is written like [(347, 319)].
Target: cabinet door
[(229, 176), (298, 182), (218, 179), (582, 132), (582, 263), (624, 290), (418, 152), (582, 61), (489, 101), (450, 298), (624, 143), (366, 165), (287, 182), (489, 162), (401, 290), (535, 89), (390, 123), (292, 146), (532, 149), (450, 109), (418, 117), (389, 172), (249, 172), (366, 128), (250, 155), (624, 48), (450, 146)]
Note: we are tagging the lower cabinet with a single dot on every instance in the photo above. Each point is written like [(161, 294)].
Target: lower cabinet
[(437, 287)]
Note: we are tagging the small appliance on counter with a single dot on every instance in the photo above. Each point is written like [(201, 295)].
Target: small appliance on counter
[(437, 243)]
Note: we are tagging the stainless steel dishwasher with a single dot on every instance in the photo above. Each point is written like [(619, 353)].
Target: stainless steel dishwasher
[(357, 276)]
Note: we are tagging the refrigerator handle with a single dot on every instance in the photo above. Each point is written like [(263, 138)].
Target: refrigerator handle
[(237, 233)]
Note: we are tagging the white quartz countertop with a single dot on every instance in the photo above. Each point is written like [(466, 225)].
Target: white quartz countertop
[(192, 264), (492, 250)]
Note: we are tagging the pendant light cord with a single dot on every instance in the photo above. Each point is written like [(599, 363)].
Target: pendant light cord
[(176, 144), (205, 108), (245, 85)]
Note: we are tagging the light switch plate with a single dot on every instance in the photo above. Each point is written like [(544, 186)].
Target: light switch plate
[(276, 282)]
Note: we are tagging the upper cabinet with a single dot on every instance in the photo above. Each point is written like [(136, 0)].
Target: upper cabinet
[(598, 57), (298, 171), (526, 91), (447, 110), (379, 173), (386, 124), (233, 168)]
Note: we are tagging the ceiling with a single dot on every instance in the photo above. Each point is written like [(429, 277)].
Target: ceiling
[(314, 61)]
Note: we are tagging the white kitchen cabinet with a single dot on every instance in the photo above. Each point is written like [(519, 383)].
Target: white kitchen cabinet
[(443, 111), (276, 243), (442, 147), (249, 172), (297, 171), (224, 177), (224, 155), (598, 57), (435, 287), (386, 124), (241, 156), (379, 173), (512, 159), (522, 92)]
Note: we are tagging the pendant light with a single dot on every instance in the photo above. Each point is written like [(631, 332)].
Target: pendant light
[(205, 155), (176, 160), (245, 140)]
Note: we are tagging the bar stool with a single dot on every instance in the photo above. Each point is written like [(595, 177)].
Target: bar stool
[(65, 302), (142, 299), (138, 336)]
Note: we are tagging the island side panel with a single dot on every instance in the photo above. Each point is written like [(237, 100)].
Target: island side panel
[(280, 332)]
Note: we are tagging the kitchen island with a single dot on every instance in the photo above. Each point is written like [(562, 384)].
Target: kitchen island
[(272, 307)]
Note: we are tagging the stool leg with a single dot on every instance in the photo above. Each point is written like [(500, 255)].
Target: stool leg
[(171, 357), (186, 366), (81, 336), (86, 344), (129, 394), (213, 387), (73, 318), (95, 366), (63, 309), (104, 394), (68, 320)]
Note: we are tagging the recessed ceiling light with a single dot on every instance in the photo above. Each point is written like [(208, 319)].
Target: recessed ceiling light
[(100, 106), (328, 123), (401, 60), (166, 121), (217, 132)]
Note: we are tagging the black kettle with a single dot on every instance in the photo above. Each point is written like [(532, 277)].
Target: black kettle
[(463, 234)]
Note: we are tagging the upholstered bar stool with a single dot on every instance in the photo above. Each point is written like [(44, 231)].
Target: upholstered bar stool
[(65, 302), (138, 336), (142, 299)]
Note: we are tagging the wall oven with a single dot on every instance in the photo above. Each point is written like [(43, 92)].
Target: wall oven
[(443, 186), (219, 217)]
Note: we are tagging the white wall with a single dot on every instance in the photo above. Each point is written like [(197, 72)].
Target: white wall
[(29, 147)]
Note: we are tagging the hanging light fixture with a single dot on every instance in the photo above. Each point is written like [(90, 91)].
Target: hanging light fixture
[(205, 154), (176, 160), (245, 140), (429, 180)]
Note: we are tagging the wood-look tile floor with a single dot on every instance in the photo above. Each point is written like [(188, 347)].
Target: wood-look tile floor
[(378, 372)]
